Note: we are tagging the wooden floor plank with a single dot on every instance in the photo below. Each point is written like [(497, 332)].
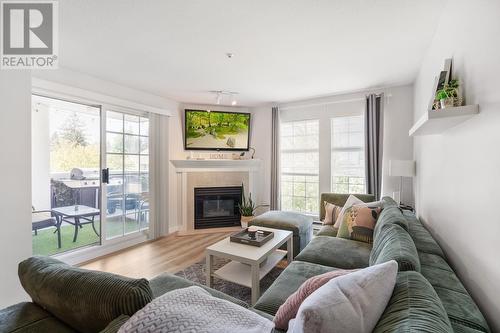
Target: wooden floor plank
[(168, 254)]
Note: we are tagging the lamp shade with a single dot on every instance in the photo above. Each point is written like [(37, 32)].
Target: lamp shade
[(402, 168)]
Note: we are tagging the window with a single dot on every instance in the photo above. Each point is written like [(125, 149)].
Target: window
[(127, 157), (300, 166), (348, 155)]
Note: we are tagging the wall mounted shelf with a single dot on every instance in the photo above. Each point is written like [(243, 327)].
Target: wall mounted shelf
[(437, 122)]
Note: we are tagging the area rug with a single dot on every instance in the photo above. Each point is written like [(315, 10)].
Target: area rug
[(196, 273)]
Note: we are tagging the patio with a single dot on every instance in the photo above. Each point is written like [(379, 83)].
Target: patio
[(45, 242)]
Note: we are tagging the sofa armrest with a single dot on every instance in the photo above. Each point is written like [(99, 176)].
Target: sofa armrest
[(166, 282)]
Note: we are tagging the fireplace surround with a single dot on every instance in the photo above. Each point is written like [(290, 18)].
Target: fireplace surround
[(216, 207), (194, 173)]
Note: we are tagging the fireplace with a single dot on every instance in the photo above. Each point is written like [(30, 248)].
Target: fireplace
[(216, 207)]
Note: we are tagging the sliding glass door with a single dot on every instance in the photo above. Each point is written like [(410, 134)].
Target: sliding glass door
[(127, 159), (90, 174), (66, 184)]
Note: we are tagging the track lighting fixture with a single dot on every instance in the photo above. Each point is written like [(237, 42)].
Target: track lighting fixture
[(220, 97)]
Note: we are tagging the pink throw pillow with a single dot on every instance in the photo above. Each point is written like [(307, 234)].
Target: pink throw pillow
[(288, 310), (332, 212)]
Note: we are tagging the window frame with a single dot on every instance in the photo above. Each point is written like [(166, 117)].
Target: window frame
[(348, 149), (323, 110), (300, 174)]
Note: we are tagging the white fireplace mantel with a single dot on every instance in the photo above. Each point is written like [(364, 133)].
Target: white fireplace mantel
[(218, 165), (183, 168)]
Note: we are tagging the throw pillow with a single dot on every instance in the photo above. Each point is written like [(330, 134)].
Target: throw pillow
[(358, 223), (350, 303), (85, 300), (288, 310), (351, 201), (193, 309), (331, 213)]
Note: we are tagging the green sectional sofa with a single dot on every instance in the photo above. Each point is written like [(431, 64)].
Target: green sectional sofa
[(428, 296)]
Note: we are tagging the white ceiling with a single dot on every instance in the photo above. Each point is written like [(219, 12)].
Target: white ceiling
[(283, 49)]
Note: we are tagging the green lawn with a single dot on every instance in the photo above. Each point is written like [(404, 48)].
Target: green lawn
[(45, 243)]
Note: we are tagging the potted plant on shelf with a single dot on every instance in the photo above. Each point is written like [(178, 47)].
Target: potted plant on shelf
[(448, 96), (247, 208)]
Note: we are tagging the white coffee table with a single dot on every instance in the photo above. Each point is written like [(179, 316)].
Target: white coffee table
[(249, 264)]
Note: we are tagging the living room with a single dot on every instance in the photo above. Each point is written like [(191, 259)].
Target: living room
[(302, 166)]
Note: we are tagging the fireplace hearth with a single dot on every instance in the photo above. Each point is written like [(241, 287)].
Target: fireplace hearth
[(216, 207)]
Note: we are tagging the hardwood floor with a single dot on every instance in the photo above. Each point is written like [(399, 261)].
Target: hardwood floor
[(169, 254)]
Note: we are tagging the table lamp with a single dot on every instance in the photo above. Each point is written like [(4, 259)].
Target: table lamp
[(401, 168)]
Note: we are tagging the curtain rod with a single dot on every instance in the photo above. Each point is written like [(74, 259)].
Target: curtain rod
[(387, 96)]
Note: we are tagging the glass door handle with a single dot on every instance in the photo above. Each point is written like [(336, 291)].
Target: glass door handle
[(105, 175)]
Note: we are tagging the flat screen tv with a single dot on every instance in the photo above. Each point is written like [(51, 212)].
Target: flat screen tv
[(216, 130)]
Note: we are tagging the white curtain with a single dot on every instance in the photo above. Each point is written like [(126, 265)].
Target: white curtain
[(158, 173)]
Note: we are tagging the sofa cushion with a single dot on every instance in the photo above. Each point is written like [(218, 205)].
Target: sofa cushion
[(390, 215), (166, 282), (298, 223), (461, 308), (327, 230), (340, 200), (388, 202), (85, 300), (424, 242), (413, 307), (287, 283), (28, 317), (394, 243), (336, 252)]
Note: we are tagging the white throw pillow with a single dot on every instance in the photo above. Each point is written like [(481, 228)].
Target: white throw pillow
[(193, 309), (350, 303)]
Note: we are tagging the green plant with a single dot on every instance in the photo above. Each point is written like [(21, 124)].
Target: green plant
[(450, 90), (247, 207)]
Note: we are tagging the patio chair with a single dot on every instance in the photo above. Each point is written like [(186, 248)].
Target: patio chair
[(41, 219)]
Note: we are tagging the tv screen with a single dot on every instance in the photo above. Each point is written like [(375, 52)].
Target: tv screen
[(216, 130)]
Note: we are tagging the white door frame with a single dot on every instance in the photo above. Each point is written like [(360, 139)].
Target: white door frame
[(76, 95)]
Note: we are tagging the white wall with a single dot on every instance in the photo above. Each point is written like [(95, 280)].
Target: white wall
[(458, 176), (15, 193), (93, 84), (101, 86), (259, 133)]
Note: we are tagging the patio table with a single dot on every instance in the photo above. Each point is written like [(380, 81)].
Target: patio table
[(80, 215)]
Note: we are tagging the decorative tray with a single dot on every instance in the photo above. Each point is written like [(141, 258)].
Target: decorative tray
[(243, 237)]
